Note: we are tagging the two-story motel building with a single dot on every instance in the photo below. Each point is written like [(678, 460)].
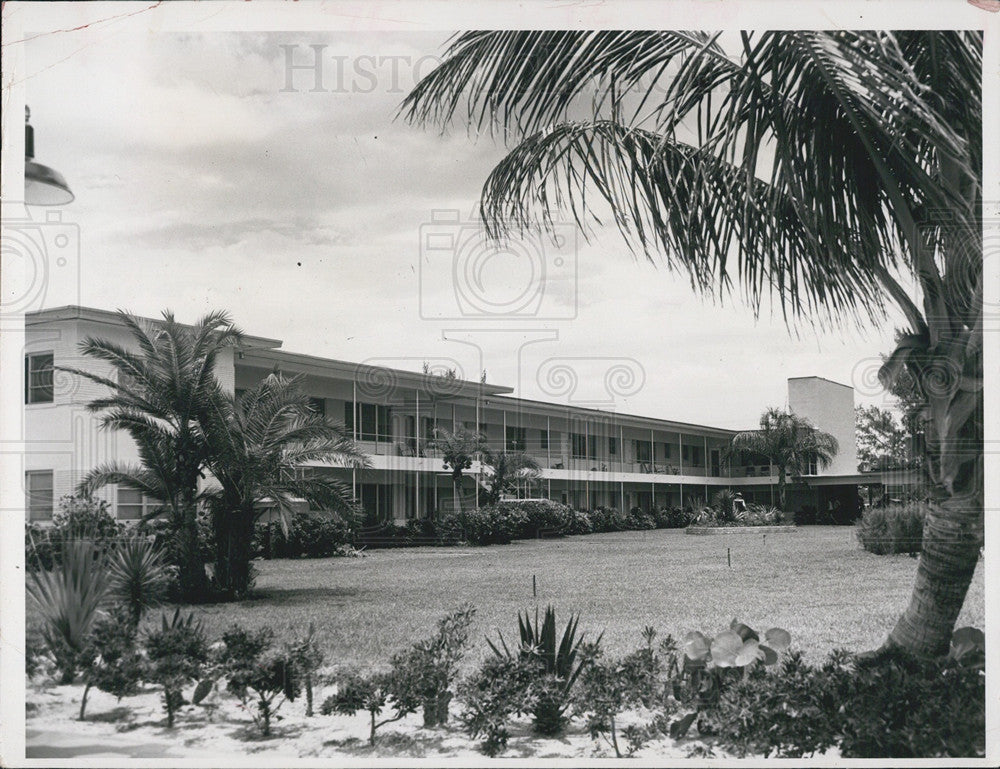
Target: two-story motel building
[(589, 457)]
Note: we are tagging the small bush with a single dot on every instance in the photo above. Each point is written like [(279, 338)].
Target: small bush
[(78, 517), (671, 517), (310, 535), (373, 693), (605, 519), (579, 523), (111, 661), (502, 687), (543, 518), (893, 529), (888, 705), (492, 525), (260, 676), (177, 652), (640, 520)]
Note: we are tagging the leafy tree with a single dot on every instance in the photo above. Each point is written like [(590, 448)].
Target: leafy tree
[(507, 469), (458, 451), (789, 442), (256, 446), (160, 394), (883, 444), (822, 166)]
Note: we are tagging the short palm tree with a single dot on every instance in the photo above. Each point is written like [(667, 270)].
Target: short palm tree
[(459, 450), (789, 442), (159, 394), (257, 447), (815, 168), (506, 470)]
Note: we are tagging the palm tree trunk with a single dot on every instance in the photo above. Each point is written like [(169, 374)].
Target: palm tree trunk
[(781, 487), (457, 484), (953, 536)]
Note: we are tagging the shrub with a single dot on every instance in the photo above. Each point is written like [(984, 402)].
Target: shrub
[(561, 665), (69, 598), (308, 656), (112, 661), (78, 517), (177, 652), (609, 686), (254, 669), (671, 518), (640, 520), (502, 687), (893, 529), (491, 525), (431, 665), (579, 523), (606, 519), (723, 502), (373, 693), (310, 535), (543, 517), (885, 705)]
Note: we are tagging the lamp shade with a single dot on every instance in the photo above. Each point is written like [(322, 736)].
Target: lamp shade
[(44, 186)]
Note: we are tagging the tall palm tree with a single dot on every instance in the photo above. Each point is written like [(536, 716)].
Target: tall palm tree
[(459, 450), (507, 469), (257, 446), (789, 442), (159, 394), (822, 166)]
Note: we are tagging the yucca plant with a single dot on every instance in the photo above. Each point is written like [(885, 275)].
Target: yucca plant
[(139, 574), (560, 664), (69, 598)]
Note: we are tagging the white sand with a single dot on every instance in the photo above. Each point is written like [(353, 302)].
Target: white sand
[(219, 728)]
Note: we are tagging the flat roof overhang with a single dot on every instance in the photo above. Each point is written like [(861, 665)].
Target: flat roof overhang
[(434, 387), (885, 478), (76, 312)]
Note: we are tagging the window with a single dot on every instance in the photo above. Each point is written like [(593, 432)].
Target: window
[(543, 440), (666, 451), (318, 405), (517, 438), (579, 444), (693, 455), (812, 464), (38, 378), (129, 505), (612, 447), (374, 421), (38, 485), (642, 451)]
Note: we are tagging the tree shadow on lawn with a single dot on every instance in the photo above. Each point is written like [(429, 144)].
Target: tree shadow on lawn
[(294, 596)]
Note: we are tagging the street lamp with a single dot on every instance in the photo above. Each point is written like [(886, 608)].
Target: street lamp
[(43, 186)]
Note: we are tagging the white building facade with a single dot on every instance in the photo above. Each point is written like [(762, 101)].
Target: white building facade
[(588, 457)]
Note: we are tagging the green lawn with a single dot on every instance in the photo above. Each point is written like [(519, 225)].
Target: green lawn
[(817, 583)]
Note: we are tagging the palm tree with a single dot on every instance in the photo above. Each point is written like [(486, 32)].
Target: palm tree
[(826, 165), (257, 447), (789, 442), (506, 470), (159, 395), (458, 451)]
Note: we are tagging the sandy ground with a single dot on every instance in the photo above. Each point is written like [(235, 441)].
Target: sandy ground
[(219, 728)]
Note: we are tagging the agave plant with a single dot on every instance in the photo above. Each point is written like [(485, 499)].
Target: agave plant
[(69, 598), (140, 575), (559, 662)]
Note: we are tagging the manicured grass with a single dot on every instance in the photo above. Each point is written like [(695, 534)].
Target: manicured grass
[(817, 583)]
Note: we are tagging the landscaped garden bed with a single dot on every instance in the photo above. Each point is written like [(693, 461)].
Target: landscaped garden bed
[(707, 530)]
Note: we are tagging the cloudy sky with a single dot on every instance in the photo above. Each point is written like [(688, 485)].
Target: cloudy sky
[(202, 181)]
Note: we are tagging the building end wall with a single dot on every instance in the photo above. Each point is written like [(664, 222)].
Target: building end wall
[(830, 407)]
